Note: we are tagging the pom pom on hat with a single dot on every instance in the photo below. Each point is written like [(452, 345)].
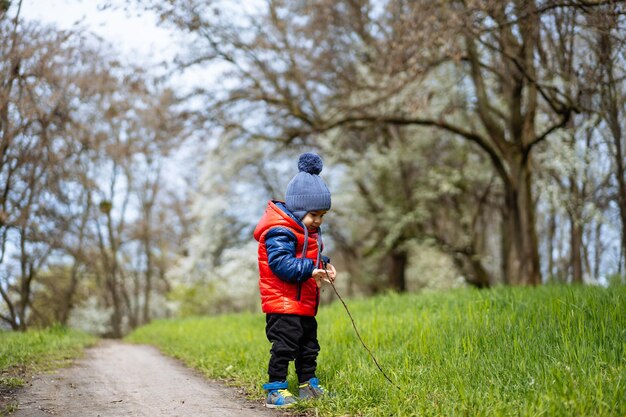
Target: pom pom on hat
[(310, 163), (307, 191)]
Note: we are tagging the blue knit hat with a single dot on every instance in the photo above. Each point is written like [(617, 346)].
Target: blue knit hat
[(306, 190)]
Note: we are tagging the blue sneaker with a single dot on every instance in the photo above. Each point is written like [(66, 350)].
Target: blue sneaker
[(311, 389), (278, 396)]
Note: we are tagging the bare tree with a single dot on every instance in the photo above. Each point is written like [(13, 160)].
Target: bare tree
[(608, 49), (37, 99), (160, 127)]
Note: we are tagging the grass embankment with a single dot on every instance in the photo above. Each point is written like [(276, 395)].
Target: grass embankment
[(22, 354), (548, 351)]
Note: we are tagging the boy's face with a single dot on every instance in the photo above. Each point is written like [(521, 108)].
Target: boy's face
[(314, 219)]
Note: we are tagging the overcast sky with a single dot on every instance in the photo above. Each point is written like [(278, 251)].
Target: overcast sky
[(133, 35)]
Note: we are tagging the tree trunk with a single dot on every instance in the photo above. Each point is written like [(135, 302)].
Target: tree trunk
[(621, 180), (116, 317), (67, 304), (397, 272), (613, 107), (576, 228), (132, 300), (597, 250), (480, 277), (551, 236), (110, 272), (148, 285), (576, 243), (471, 267), (11, 319), (26, 279), (520, 247)]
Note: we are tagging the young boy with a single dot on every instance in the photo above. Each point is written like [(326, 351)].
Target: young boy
[(291, 270)]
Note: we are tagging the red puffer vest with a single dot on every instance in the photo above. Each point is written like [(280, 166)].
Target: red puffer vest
[(278, 296)]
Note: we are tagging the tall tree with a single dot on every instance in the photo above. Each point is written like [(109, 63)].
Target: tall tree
[(139, 124), (501, 75), (39, 91), (608, 50), (159, 128)]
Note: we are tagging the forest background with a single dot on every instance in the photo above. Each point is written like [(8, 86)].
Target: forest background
[(473, 143)]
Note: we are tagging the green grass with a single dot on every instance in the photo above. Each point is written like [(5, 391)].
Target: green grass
[(36, 351), (548, 351), (22, 354)]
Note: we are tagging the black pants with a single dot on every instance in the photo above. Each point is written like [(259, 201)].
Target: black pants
[(293, 338)]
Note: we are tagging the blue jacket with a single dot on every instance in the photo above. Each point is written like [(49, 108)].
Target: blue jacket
[(281, 253), (288, 254)]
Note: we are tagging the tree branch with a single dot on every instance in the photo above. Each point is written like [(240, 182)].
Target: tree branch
[(495, 132), (565, 117), (9, 304), (548, 7), (496, 159)]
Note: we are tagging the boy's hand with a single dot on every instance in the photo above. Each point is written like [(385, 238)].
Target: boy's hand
[(332, 272), (327, 275)]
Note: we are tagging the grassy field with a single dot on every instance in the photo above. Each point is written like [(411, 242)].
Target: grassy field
[(548, 351), (22, 354)]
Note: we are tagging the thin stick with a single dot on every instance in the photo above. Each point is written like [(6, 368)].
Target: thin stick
[(357, 331)]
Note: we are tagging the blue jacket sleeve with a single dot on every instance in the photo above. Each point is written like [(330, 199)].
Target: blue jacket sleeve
[(281, 256)]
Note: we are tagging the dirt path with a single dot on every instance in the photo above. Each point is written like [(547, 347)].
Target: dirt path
[(118, 379)]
